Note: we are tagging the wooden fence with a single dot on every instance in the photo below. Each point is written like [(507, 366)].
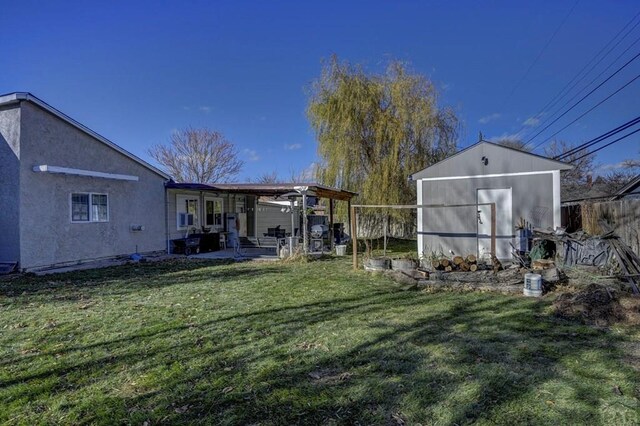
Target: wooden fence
[(622, 215)]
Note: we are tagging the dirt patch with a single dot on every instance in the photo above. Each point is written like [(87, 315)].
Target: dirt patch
[(600, 305)]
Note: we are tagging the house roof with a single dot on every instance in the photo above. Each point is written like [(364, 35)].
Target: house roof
[(501, 159), (632, 187), (17, 97), (599, 190), (268, 189)]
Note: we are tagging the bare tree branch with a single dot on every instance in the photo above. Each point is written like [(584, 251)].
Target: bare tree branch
[(199, 156)]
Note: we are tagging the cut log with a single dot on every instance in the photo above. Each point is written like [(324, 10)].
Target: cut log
[(435, 263), (497, 265), (448, 268), (471, 259), (473, 267), (465, 266), (458, 260), (540, 264), (444, 262)]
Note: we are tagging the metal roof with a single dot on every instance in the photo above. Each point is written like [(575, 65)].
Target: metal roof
[(18, 97), (267, 189)]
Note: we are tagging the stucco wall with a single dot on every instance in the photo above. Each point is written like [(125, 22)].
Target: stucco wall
[(9, 183), (532, 199), (48, 236)]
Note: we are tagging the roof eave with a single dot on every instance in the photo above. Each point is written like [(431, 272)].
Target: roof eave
[(17, 97)]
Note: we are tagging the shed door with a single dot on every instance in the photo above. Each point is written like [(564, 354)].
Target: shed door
[(504, 224)]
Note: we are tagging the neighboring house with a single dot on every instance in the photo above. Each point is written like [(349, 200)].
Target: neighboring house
[(630, 191), (521, 184), (69, 195)]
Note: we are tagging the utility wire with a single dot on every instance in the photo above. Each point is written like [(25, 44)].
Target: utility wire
[(583, 114), (557, 97), (586, 96), (606, 145), (600, 138), (587, 85), (535, 61)]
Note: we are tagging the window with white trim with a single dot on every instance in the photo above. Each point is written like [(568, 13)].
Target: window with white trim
[(186, 211), (89, 207)]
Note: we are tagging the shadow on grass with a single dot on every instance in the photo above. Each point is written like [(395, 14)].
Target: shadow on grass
[(124, 279), (465, 358)]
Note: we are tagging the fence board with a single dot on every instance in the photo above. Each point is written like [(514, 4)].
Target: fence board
[(622, 215)]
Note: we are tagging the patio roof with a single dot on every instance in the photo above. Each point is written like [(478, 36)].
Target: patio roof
[(268, 189)]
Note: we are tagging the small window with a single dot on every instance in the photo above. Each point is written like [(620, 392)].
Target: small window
[(80, 207), (88, 207), (185, 219), (186, 212), (99, 209)]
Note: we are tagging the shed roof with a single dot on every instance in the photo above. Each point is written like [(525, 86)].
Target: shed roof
[(17, 97), (500, 159), (268, 189)]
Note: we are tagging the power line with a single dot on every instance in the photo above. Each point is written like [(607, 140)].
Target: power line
[(585, 97), (553, 101), (585, 113), (606, 145), (588, 84), (535, 61), (600, 138)]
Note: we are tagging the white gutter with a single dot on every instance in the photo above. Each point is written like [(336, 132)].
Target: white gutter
[(77, 172)]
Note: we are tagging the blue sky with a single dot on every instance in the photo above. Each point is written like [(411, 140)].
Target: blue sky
[(136, 71)]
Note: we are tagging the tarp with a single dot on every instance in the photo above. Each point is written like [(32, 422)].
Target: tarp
[(589, 252)]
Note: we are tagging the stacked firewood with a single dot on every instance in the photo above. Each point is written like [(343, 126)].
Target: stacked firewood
[(457, 263)]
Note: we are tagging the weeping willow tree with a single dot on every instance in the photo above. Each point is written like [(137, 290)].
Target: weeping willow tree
[(374, 130)]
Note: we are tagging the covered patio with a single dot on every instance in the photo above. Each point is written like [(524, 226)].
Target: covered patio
[(269, 216)]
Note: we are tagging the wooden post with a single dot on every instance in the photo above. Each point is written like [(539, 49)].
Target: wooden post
[(493, 229), (305, 237), (384, 250), (354, 238), (293, 225), (331, 237)]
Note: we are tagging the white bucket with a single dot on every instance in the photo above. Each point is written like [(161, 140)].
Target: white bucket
[(341, 250), (532, 285)]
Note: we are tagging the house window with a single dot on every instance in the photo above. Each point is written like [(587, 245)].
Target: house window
[(89, 207), (186, 211), (213, 212), (241, 205)]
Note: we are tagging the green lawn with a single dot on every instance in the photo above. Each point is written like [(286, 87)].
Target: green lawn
[(297, 343)]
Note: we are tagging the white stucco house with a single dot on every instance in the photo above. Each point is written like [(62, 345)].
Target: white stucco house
[(68, 194)]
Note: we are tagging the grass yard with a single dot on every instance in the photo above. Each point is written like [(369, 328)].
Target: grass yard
[(298, 343)]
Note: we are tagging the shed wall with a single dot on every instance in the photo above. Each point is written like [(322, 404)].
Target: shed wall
[(532, 199)]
